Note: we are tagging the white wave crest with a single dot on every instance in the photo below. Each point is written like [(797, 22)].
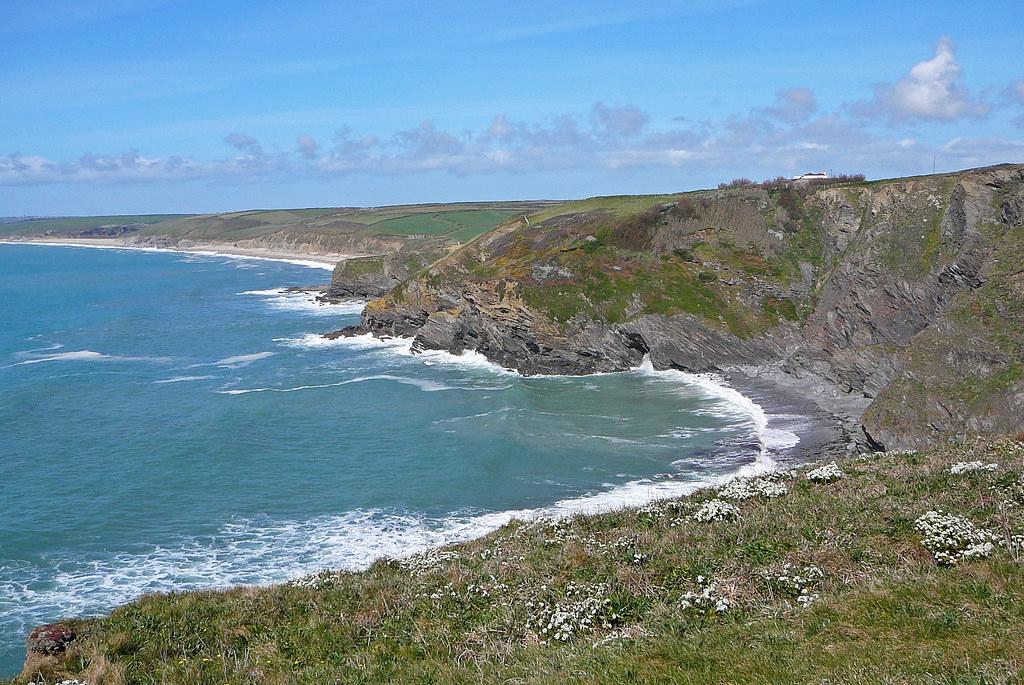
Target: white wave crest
[(737, 404), (265, 551), (469, 359), (79, 356), (241, 360), (314, 341), (282, 299), (182, 379), (422, 384)]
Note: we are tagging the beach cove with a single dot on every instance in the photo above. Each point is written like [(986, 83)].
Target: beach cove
[(198, 432)]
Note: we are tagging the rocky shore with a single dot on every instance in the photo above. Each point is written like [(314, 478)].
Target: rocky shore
[(892, 306)]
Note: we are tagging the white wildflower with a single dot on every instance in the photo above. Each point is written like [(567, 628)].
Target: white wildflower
[(584, 610), (798, 582), (747, 488), (707, 599), (323, 579), (1009, 448), (825, 474), (716, 510), (969, 466), (427, 562), (870, 456), (951, 538)]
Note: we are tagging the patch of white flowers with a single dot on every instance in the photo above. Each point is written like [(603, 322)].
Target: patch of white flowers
[(970, 466), (716, 510), (798, 582), (952, 539), (558, 531), (640, 558), (1014, 544), (742, 488), (825, 474), (584, 609), (428, 562), (323, 579), (870, 456), (707, 599)]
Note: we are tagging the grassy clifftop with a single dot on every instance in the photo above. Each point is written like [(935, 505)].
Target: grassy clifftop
[(449, 223), (904, 292), (835, 575)]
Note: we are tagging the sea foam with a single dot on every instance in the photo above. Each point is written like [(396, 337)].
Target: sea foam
[(241, 360), (736, 403), (264, 551), (282, 299), (421, 383), (79, 356), (468, 359)]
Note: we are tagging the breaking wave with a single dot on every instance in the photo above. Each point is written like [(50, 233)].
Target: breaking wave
[(285, 300), (735, 403), (422, 384)]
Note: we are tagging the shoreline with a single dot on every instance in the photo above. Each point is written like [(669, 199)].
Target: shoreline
[(775, 408), (311, 260), (625, 496)]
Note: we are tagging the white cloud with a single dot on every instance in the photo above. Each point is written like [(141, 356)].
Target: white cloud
[(782, 138), (933, 90)]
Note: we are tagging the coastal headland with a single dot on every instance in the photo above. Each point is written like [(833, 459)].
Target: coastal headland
[(892, 310)]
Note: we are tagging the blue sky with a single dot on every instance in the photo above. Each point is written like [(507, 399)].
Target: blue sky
[(121, 106)]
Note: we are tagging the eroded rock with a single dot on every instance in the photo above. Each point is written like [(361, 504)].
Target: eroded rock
[(51, 639)]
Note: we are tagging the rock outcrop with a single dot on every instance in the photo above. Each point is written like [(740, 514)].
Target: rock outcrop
[(374, 276), (50, 640), (904, 296)]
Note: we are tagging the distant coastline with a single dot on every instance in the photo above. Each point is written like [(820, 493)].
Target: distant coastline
[(314, 260)]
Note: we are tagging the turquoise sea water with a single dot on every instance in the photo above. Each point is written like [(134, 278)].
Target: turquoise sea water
[(172, 421)]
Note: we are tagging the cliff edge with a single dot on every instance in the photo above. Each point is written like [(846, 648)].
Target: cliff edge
[(898, 303)]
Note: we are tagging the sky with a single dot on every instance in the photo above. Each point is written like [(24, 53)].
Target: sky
[(147, 106)]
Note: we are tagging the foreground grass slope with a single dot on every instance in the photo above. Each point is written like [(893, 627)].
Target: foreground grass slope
[(785, 579)]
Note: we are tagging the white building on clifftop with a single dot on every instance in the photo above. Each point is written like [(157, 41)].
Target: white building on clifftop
[(810, 176)]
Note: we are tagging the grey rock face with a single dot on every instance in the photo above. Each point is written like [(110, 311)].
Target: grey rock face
[(899, 264), (366, 277)]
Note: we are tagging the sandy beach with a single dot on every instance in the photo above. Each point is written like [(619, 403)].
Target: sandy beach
[(317, 260)]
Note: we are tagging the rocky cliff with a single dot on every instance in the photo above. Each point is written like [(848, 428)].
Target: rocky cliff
[(374, 276), (904, 298)]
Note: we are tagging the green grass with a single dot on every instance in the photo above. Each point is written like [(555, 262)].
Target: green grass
[(885, 612), (455, 222), (459, 225), (616, 205), (666, 286), (76, 224)]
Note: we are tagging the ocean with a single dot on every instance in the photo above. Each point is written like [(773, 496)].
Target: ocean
[(174, 421)]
